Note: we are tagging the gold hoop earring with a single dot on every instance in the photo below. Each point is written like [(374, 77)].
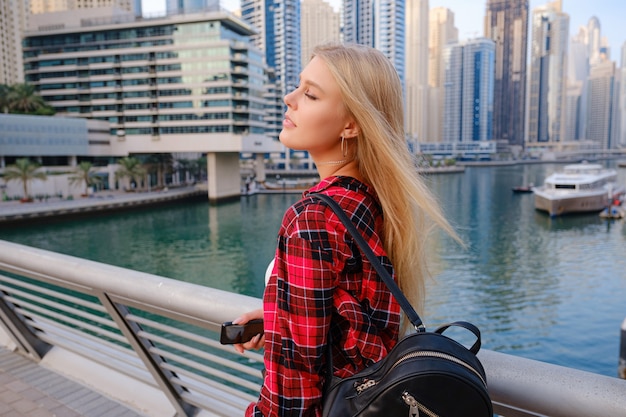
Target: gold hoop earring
[(344, 147)]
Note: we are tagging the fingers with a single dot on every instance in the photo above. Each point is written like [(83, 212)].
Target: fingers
[(250, 315), (256, 343)]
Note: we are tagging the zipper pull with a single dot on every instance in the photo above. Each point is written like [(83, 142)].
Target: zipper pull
[(414, 410)]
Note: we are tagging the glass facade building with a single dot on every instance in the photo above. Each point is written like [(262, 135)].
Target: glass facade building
[(469, 81), (548, 59), (379, 24), (506, 24), (194, 78)]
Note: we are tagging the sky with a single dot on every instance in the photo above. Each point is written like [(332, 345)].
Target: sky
[(468, 16)]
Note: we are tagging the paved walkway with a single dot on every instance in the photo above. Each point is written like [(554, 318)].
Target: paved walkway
[(102, 201), (30, 390)]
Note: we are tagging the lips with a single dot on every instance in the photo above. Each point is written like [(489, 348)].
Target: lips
[(287, 122)]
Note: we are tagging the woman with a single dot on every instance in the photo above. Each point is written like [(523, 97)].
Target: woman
[(347, 113)]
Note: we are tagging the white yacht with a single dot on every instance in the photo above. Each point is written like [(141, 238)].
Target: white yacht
[(578, 188)]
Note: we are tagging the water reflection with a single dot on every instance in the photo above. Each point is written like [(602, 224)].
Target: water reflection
[(545, 288)]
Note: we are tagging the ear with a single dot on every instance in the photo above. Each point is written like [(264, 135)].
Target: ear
[(351, 130)]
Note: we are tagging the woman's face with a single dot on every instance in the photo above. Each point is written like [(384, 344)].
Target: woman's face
[(315, 118)]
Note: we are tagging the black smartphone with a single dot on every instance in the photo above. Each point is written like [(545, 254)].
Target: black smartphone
[(240, 333)]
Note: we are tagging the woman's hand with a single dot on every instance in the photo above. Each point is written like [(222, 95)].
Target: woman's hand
[(258, 341)]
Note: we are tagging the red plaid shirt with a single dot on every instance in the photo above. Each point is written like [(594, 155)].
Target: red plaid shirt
[(321, 282)]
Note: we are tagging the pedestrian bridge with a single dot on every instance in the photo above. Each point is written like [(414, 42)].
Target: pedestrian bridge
[(151, 343)]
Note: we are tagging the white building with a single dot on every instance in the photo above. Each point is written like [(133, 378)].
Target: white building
[(600, 103), (51, 6), (441, 32), (379, 24), (416, 71), (547, 82), (13, 19), (319, 24), (621, 131), (185, 83)]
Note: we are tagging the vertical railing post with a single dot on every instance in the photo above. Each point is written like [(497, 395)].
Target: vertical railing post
[(152, 362), (621, 369), (22, 334)]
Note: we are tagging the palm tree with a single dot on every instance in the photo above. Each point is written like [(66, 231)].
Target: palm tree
[(24, 170), (130, 168), (161, 164), (84, 175), (23, 98), (4, 98)]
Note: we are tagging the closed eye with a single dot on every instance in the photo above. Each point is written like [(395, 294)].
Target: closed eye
[(307, 93)]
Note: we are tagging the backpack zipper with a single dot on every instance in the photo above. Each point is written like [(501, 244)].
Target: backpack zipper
[(415, 406), (427, 353)]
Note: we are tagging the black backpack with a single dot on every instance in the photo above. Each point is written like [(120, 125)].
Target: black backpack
[(425, 374)]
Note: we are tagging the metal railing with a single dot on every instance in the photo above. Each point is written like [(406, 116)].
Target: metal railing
[(163, 333)]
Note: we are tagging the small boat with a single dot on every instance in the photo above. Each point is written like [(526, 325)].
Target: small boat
[(524, 188), (282, 184), (579, 188), (613, 212)]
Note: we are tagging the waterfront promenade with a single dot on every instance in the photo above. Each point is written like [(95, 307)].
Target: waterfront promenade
[(31, 390), (103, 201)]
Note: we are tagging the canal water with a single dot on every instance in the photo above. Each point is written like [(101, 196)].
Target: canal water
[(550, 289)]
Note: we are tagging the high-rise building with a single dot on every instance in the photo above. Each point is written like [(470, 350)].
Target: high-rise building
[(600, 103), (278, 23), (379, 24), (441, 31), (278, 26), (162, 92), (319, 24), (190, 6), (13, 21), (51, 6), (621, 126), (417, 115), (506, 24), (594, 40), (577, 80), (468, 100), (547, 89)]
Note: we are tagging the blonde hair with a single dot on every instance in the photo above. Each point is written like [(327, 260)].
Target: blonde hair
[(372, 95)]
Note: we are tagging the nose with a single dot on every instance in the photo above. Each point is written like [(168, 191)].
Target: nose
[(287, 99)]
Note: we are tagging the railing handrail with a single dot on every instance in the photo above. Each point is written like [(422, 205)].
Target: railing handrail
[(178, 297), (519, 387)]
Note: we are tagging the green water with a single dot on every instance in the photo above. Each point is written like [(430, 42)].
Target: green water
[(542, 288)]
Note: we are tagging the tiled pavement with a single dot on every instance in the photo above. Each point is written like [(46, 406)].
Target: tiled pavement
[(30, 390)]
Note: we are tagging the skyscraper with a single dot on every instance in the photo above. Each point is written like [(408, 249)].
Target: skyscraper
[(50, 6), (319, 24), (13, 20), (190, 6), (577, 81), (278, 26), (417, 114), (441, 31), (506, 24), (546, 108), (379, 24), (278, 23), (621, 128), (600, 103), (468, 102)]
